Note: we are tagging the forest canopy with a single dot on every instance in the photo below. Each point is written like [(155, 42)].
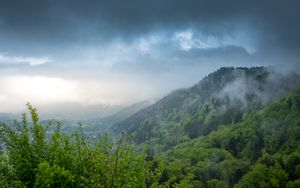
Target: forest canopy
[(202, 146)]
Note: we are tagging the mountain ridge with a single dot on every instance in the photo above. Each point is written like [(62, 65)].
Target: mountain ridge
[(224, 94)]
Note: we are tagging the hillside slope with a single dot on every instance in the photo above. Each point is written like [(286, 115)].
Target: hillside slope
[(220, 98), (241, 135), (260, 151)]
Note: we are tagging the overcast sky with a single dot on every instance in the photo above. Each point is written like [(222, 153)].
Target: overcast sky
[(121, 52)]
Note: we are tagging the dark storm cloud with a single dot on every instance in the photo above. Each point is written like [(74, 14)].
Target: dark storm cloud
[(53, 22), (130, 50)]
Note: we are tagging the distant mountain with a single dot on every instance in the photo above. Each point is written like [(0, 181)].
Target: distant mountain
[(8, 117), (69, 117), (99, 126), (96, 126), (76, 111), (221, 98)]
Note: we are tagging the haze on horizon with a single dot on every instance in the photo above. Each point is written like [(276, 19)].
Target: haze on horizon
[(117, 53)]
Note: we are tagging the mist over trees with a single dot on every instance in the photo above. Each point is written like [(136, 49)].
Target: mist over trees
[(237, 127)]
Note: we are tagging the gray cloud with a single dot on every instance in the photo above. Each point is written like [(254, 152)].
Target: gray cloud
[(68, 22), (163, 44)]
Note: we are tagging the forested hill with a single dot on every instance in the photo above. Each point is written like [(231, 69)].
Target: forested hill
[(231, 130), (263, 150), (220, 98)]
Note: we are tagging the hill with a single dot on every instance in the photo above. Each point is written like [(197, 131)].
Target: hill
[(238, 127), (221, 98), (262, 150)]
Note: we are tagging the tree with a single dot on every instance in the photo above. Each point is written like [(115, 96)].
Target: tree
[(264, 177)]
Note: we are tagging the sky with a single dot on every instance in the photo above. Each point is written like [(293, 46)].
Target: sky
[(121, 52)]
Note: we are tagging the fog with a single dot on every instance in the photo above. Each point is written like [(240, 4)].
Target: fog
[(105, 53)]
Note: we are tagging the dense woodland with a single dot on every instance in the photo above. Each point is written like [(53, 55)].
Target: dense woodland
[(237, 127)]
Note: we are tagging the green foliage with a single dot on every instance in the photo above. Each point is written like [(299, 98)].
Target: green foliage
[(191, 138), (53, 176), (251, 153), (263, 176), (223, 97), (293, 165), (216, 184), (33, 159), (293, 184), (230, 171)]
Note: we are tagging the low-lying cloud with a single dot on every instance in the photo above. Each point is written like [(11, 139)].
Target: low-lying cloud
[(265, 86), (17, 60)]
